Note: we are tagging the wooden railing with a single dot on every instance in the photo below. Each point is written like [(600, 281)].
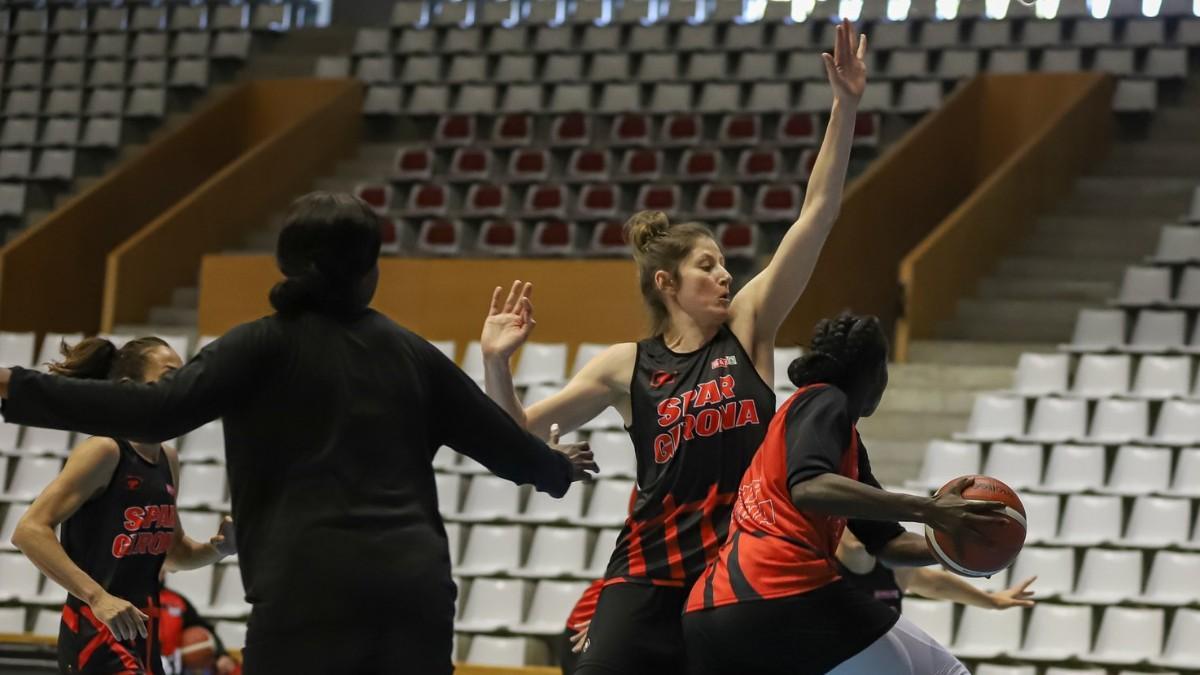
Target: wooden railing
[(299, 129), (1049, 129)]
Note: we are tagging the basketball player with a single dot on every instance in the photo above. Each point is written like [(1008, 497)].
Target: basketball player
[(332, 414), (773, 601), (864, 571), (177, 615), (696, 396), (115, 500)]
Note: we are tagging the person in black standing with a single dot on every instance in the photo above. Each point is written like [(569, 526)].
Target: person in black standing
[(695, 396), (115, 501), (332, 415)]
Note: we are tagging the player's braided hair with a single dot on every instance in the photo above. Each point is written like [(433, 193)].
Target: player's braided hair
[(841, 350)]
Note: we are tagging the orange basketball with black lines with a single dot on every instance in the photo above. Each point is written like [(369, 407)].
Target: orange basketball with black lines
[(1003, 540)]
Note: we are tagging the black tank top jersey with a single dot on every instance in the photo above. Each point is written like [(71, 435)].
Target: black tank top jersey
[(120, 538), (879, 583), (698, 419)]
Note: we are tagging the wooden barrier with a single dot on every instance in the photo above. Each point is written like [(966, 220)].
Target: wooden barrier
[(917, 183), (1057, 126), (441, 299), (298, 129)]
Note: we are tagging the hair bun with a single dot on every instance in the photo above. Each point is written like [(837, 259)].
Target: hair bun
[(644, 227)]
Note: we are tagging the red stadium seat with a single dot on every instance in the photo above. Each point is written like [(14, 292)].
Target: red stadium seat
[(777, 203), (681, 130), (512, 130), (439, 236), (665, 198), (588, 164), (499, 237), (484, 199), (599, 201), (570, 130), (546, 201), (609, 239), (759, 165), (529, 165), (718, 201), (641, 165), (700, 165), (738, 240), (428, 199), (866, 129), (377, 196), (553, 237), (455, 130), (413, 164), (470, 164), (389, 231), (797, 129), (740, 129), (630, 129)]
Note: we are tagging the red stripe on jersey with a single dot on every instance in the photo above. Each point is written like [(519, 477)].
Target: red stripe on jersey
[(665, 583), (585, 608), (105, 637), (668, 518), (70, 618)]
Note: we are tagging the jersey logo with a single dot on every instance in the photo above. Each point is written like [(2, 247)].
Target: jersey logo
[(754, 505), (724, 362), (661, 378), (133, 482)]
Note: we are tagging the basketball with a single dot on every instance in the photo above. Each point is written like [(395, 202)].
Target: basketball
[(974, 558), (198, 648)]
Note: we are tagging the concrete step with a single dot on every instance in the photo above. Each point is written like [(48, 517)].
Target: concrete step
[(992, 329), (335, 184), (921, 400), (382, 152), (1136, 196), (907, 426), (974, 353), (930, 375), (279, 66), (1175, 124), (1023, 309), (1125, 246), (331, 39), (1156, 157), (1048, 268), (1096, 226), (173, 316), (894, 462), (364, 169), (262, 241), (185, 298), (1095, 292)]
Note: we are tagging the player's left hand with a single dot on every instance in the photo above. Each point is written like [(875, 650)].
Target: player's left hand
[(1016, 596), (226, 665), (847, 67), (225, 539)]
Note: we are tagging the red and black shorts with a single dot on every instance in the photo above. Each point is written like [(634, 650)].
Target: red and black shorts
[(87, 647)]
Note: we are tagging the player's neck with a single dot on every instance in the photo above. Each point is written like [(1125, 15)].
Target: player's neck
[(151, 452), (685, 335)]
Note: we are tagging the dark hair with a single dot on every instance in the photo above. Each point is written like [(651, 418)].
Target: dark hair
[(329, 242), (96, 358), (842, 350), (659, 245)]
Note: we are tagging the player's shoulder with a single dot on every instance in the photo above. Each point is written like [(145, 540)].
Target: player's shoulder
[(97, 449), (818, 398)]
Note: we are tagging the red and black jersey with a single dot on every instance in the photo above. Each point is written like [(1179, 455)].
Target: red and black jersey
[(697, 420), (120, 539), (774, 549)]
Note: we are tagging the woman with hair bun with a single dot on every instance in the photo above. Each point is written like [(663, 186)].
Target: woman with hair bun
[(695, 396), (332, 414), (115, 500)]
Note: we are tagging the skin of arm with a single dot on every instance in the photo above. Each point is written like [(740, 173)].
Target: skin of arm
[(833, 495), (939, 584)]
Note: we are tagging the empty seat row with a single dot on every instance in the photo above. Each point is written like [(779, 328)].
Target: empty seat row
[(116, 102), (50, 165), (1099, 330), (640, 130), (72, 48), (612, 98), (187, 72), (178, 18), (1085, 520), (205, 483), (544, 552), (1056, 420), (1103, 376), (1101, 576), (1157, 286), (1070, 468), (96, 132), (487, 498)]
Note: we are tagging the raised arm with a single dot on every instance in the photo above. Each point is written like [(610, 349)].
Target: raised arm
[(762, 305), (87, 473), (603, 382), (218, 378)]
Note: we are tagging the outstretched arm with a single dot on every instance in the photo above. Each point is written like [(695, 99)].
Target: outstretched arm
[(218, 378), (765, 301), (937, 584)]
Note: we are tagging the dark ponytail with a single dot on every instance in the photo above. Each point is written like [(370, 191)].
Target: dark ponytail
[(96, 358), (842, 351)]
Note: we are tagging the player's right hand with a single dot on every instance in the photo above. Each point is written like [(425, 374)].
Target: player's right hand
[(960, 517), (508, 323), (583, 462), (124, 620)]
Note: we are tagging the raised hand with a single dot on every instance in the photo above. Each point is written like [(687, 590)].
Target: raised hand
[(508, 323), (224, 539), (846, 67), (583, 462)]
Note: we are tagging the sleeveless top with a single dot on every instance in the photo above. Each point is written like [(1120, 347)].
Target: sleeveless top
[(879, 583), (698, 419)]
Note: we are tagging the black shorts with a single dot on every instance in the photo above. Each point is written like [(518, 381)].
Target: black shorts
[(87, 647), (806, 634), (567, 659), (636, 630)]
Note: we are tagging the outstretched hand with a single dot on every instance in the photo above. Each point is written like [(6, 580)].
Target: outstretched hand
[(1015, 596), (846, 66), (509, 323), (583, 462)]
